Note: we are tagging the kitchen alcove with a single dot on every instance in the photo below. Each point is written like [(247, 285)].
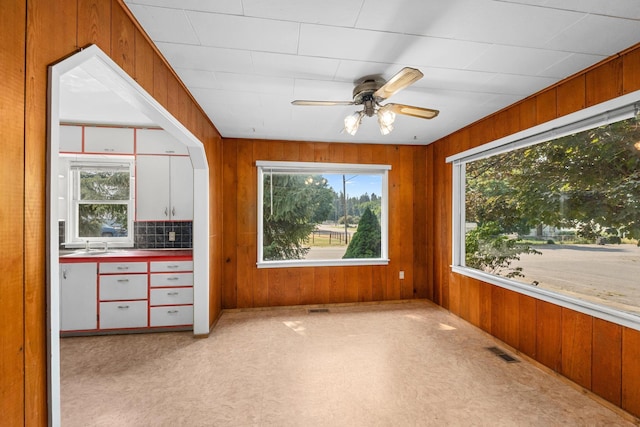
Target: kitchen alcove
[(90, 88)]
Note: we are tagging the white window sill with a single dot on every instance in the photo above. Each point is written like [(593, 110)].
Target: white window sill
[(323, 263)]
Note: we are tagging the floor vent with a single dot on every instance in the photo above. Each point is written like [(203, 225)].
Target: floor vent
[(501, 354), (318, 310)]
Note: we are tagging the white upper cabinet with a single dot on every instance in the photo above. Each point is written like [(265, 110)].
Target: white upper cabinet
[(158, 141), (70, 139), (164, 188), (106, 140), (181, 190)]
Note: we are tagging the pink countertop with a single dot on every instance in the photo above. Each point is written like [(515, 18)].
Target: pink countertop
[(125, 255)]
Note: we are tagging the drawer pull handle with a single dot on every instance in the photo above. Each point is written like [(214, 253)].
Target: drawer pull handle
[(173, 293), (172, 312), (123, 307), (173, 266), (173, 278), (123, 280), (123, 267)]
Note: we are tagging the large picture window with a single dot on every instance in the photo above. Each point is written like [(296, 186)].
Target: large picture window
[(321, 214), (101, 202), (557, 214)]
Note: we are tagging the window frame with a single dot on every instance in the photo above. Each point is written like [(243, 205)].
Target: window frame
[(617, 109), (74, 166), (327, 168)]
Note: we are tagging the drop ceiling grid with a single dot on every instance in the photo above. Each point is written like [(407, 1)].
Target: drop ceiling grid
[(246, 60)]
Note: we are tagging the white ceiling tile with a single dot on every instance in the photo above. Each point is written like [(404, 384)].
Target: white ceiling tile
[(597, 35), (322, 91), (569, 65), (510, 24), (357, 71), (164, 24), (617, 8), (530, 2), (255, 84), (364, 45), (239, 32), (406, 16), (513, 84), (453, 79), (211, 97), (310, 11), (206, 58), (516, 60), (486, 21), (294, 66), (228, 6), (197, 78)]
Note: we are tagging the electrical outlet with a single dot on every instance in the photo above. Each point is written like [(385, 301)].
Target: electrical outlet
[(172, 236), (401, 275)]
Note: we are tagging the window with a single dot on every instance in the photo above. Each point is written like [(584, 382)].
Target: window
[(312, 214), (101, 201), (556, 214)]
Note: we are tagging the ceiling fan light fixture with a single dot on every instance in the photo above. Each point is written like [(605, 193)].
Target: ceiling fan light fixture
[(386, 118), (352, 122)]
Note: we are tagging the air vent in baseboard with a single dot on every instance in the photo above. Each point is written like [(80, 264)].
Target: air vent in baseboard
[(501, 354), (317, 310)]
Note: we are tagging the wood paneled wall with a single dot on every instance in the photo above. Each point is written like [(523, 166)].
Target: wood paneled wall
[(598, 355), (12, 203), (34, 35), (244, 285)]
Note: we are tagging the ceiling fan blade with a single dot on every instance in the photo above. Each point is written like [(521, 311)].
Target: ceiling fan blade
[(321, 103), (405, 77), (409, 110)]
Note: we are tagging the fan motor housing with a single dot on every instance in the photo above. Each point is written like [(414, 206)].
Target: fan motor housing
[(365, 90)]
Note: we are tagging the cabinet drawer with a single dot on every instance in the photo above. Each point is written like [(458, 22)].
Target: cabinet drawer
[(123, 287), (172, 316), (171, 296), (123, 267), (171, 279), (164, 266), (123, 314)]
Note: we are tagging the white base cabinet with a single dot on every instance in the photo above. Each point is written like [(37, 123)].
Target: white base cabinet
[(171, 293), (78, 293), (111, 295)]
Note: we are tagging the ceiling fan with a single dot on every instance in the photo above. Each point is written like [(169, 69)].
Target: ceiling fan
[(370, 93)]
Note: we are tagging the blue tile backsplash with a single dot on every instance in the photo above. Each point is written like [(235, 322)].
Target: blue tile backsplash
[(155, 234)]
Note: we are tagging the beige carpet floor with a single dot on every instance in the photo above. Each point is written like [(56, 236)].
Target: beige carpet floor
[(404, 364)]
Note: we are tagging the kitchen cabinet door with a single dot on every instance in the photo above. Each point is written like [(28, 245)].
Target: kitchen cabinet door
[(158, 141), (152, 182), (108, 140), (164, 188), (78, 295), (181, 188), (70, 139)]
